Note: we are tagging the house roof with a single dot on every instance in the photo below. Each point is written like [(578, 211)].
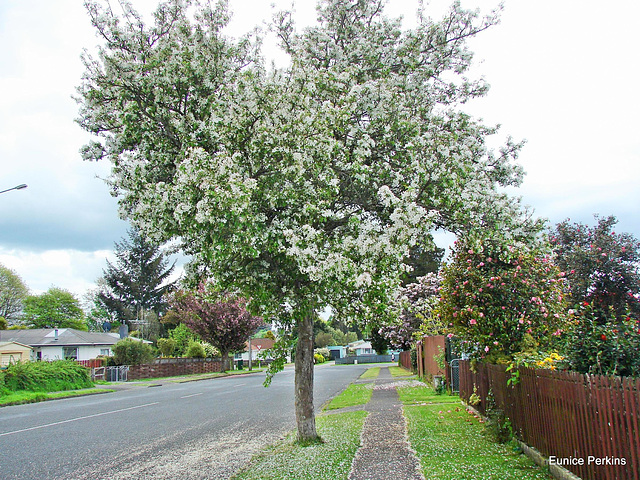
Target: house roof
[(42, 337), (260, 344), (5, 344)]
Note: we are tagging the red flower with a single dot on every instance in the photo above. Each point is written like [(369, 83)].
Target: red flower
[(603, 336)]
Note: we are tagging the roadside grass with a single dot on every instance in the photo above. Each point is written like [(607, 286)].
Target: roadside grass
[(370, 373), (354, 394), (400, 372), (22, 397), (332, 459), (451, 445), (201, 376)]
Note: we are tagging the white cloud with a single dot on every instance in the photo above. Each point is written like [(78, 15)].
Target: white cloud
[(69, 269)]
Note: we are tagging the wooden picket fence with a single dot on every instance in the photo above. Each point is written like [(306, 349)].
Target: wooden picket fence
[(588, 419)]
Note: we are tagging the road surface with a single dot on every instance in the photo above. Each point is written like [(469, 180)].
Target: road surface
[(197, 430)]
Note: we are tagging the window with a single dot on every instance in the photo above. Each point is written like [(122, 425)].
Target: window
[(70, 353), (105, 352)]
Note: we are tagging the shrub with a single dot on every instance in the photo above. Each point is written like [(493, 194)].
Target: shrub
[(317, 358), (3, 389), (324, 352), (195, 350), (132, 352), (603, 345), (47, 376), (502, 300), (167, 346), (182, 335), (210, 350)]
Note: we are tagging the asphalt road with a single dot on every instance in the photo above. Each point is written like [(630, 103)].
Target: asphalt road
[(197, 430)]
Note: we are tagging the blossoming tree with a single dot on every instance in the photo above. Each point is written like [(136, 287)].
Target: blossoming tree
[(301, 186), (416, 303), (220, 319)]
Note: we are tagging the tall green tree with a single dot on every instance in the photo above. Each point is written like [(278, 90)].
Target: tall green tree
[(138, 281), (56, 308), (13, 292), (302, 186)]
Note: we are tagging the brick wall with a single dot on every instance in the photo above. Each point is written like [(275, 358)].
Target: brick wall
[(171, 367)]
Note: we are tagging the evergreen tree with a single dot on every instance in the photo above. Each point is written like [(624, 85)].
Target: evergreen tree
[(136, 284)]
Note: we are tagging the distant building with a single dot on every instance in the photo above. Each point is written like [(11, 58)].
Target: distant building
[(260, 350), (62, 343), (14, 352)]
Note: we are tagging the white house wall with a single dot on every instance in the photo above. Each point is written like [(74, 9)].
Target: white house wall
[(84, 352)]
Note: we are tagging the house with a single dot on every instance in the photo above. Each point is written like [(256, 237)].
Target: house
[(62, 343), (337, 351), (258, 348), (361, 347), (14, 352)]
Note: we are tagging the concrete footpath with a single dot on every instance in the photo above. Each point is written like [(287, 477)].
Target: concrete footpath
[(384, 451)]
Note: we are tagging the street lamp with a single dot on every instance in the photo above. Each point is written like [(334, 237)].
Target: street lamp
[(19, 187)]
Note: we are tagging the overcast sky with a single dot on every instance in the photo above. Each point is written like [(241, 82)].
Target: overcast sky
[(564, 76)]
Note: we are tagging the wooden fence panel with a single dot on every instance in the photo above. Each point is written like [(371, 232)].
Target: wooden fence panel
[(568, 415)]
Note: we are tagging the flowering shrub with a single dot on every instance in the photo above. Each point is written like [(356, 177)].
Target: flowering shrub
[(415, 302), (604, 284), (503, 300), (601, 265), (604, 345)]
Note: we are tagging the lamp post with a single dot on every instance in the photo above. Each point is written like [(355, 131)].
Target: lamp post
[(19, 187)]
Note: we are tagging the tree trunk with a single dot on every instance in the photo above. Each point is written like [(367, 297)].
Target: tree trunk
[(225, 361), (305, 415)]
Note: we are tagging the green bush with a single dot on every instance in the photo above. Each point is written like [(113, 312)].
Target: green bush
[(195, 350), (167, 346), (324, 352), (210, 350), (132, 352), (47, 376), (3, 389)]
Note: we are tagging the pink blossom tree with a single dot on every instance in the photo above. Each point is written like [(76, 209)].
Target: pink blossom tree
[(415, 302), (221, 319)]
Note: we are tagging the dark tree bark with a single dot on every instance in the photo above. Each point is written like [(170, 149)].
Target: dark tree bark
[(305, 415)]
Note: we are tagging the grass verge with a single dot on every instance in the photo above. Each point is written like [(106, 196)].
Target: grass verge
[(371, 373), (400, 372), (354, 394), (22, 397), (331, 459), (451, 445)]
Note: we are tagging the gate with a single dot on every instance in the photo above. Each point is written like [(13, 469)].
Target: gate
[(111, 374), (454, 366)]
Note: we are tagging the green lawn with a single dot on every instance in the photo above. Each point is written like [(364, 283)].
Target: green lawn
[(451, 445), (354, 394), (400, 372), (21, 397), (329, 460), (371, 373)]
